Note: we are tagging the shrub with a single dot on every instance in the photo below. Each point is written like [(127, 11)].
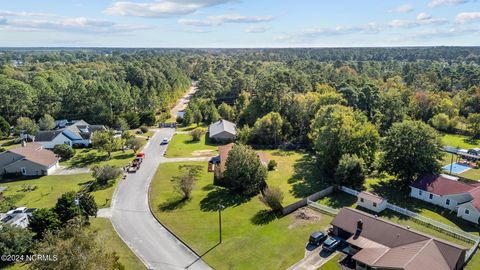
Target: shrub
[(272, 197), (272, 165), (196, 134), (350, 171), (179, 120), (105, 173), (148, 118), (64, 151), (144, 129)]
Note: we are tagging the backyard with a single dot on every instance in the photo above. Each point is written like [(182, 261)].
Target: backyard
[(246, 223)]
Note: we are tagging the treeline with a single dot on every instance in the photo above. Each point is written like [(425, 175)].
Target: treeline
[(95, 87)]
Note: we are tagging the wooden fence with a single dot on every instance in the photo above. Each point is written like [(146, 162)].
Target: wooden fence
[(303, 202)]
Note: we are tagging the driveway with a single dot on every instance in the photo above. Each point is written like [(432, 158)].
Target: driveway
[(314, 258), (133, 221), (183, 102)]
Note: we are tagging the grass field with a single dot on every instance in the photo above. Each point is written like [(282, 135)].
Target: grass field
[(49, 189), (182, 145), (332, 264), (252, 237), (7, 143), (460, 141), (113, 243), (191, 127)]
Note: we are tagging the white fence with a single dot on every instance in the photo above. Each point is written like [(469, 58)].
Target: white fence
[(349, 191), (322, 208), (434, 224)]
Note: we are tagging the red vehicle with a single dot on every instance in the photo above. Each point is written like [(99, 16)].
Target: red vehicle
[(141, 155), (136, 163)]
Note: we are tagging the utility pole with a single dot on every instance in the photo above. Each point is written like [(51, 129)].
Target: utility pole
[(220, 208)]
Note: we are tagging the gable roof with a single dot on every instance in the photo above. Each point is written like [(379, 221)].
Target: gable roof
[(441, 185), (395, 246), (47, 135), (79, 129), (370, 197), (221, 126), (35, 153)]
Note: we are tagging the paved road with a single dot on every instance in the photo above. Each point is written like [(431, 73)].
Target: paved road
[(131, 217)]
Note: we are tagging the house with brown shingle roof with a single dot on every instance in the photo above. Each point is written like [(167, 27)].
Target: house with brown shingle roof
[(446, 191), (28, 159), (375, 243)]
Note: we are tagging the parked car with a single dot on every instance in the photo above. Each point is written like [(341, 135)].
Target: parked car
[(331, 243), (317, 238), (165, 141)]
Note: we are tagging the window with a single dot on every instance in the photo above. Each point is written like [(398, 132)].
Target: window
[(430, 196), (374, 204), (420, 192), (467, 212), (361, 199), (447, 202)]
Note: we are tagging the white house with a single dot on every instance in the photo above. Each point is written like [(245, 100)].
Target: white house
[(371, 201), (77, 133), (446, 191)]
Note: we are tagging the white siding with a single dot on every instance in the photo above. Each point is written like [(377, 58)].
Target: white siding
[(53, 168), (473, 214), (60, 139), (369, 205), (454, 200)]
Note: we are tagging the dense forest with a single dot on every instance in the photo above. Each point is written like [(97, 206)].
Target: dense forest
[(272, 94)]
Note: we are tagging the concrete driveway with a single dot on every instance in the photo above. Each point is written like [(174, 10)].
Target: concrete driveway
[(133, 221), (314, 258)]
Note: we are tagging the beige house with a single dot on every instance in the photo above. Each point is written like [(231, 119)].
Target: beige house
[(28, 159)]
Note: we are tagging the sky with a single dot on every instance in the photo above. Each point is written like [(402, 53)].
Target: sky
[(238, 23)]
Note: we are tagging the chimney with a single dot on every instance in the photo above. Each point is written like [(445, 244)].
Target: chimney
[(359, 225), (24, 143)]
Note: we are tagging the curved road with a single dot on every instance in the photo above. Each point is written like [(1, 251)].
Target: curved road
[(135, 224)]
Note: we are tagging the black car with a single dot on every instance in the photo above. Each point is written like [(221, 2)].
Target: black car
[(317, 238)]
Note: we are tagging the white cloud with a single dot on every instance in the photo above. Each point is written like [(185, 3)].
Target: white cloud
[(228, 18), (24, 14), (437, 3), (466, 17), (403, 9), (79, 24), (163, 8), (313, 33), (421, 19), (256, 29)]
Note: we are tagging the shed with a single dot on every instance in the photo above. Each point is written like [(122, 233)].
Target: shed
[(222, 130), (371, 201)]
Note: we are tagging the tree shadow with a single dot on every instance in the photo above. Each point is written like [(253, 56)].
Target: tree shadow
[(124, 156), (172, 204), (209, 187), (263, 217), (307, 177), (81, 161), (340, 199), (222, 196), (471, 140)]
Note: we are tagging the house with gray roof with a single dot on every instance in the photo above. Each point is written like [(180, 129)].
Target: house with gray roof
[(222, 131), (74, 133)]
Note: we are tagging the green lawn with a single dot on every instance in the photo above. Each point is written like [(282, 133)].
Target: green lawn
[(460, 141), (182, 145), (49, 189), (191, 127), (88, 158), (252, 237), (8, 143), (113, 243), (332, 264)]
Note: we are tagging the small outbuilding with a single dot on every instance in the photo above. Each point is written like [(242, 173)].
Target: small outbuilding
[(371, 201), (222, 131)]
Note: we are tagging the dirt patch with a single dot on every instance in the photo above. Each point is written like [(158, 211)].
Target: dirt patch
[(203, 153), (303, 216)]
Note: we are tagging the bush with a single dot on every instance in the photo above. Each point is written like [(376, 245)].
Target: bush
[(196, 134), (272, 165), (350, 171), (179, 120), (4, 128), (64, 151), (272, 197), (144, 129), (148, 118), (105, 173)]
